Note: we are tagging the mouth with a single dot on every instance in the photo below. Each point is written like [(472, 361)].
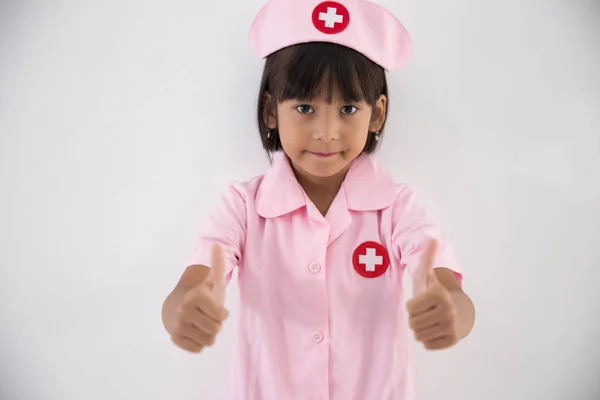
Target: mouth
[(323, 155)]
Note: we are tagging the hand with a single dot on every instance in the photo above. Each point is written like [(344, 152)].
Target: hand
[(201, 312), (432, 313)]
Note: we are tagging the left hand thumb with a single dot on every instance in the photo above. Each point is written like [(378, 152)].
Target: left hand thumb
[(424, 277)]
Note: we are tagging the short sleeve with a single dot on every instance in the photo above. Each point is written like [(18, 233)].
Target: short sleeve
[(226, 225), (412, 228)]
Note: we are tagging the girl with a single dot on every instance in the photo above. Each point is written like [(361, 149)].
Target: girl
[(322, 240)]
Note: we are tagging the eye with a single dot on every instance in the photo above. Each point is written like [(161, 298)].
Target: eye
[(305, 109), (348, 110)]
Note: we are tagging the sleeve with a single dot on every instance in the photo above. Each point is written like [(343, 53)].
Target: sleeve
[(412, 228), (226, 225)]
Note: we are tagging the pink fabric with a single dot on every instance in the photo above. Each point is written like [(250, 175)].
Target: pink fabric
[(371, 29), (310, 326)]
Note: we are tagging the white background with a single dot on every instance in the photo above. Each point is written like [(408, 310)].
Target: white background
[(120, 122)]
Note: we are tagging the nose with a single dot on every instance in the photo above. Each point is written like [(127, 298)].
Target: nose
[(327, 128)]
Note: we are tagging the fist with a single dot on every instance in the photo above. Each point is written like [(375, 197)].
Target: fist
[(432, 313), (201, 312)]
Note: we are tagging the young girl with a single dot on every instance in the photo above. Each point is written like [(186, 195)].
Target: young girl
[(323, 239)]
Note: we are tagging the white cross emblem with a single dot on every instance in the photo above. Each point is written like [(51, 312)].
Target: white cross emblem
[(370, 260), (331, 17)]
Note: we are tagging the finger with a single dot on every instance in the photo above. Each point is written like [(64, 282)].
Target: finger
[(426, 320), (422, 303), (205, 323), (197, 300), (434, 332), (428, 257), (424, 271), (197, 336), (187, 344), (190, 338), (440, 343), (217, 266), (211, 308)]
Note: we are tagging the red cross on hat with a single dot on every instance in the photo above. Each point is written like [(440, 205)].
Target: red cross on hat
[(331, 17)]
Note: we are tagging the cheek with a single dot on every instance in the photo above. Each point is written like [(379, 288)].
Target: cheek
[(290, 139), (358, 127), (359, 139), (292, 134), (356, 141)]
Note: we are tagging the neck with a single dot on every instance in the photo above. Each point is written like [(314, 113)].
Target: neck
[(320, 190)]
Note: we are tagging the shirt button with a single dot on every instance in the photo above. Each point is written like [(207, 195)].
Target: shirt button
[(317, 337), (314, 267)]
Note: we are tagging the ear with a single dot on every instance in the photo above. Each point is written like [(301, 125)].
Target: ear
[(378, 115), (269, 112)]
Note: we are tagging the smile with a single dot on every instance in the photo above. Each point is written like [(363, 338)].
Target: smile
[(323, 155)]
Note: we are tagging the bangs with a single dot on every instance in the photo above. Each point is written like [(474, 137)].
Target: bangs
[(312, 70)]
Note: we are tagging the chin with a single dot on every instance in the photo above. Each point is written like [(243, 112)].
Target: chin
[(323, 170)]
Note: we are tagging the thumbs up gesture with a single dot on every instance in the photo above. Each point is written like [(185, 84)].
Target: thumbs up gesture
[(432, 313), (201, 312)]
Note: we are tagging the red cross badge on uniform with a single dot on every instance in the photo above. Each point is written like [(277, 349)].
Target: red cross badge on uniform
[(371, 259), (330, 17)]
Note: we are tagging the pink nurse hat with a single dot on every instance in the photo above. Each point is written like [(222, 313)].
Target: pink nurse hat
[(358, 24)]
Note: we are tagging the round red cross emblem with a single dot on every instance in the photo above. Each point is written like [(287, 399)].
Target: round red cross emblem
[(371, 259), (330, 17)]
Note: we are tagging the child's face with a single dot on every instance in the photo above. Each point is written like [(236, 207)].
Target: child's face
[(322, 138)]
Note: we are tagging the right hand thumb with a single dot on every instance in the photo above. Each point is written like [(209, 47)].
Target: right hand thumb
[(217, 275)]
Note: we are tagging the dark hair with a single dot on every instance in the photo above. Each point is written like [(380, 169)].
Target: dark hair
[(299, 72)]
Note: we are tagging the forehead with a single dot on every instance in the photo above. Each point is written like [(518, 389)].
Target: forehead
[(324, 96)]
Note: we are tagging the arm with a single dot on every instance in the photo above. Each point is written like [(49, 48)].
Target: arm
[(438, 314), (225, 226), (413, 231)]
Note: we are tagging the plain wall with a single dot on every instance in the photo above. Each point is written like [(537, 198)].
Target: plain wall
[(121, 122)]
